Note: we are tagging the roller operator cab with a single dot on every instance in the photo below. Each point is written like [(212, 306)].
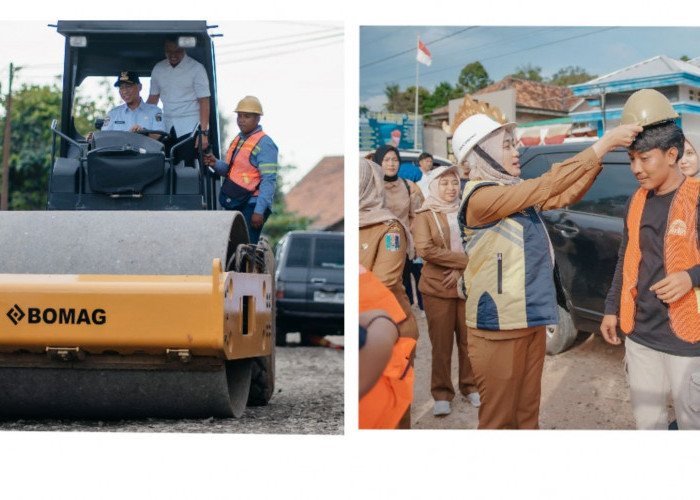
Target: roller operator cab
[(132, 296), (124, 170)]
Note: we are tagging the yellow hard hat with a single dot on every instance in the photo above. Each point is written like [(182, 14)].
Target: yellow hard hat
[(647, 107), (249, 104)]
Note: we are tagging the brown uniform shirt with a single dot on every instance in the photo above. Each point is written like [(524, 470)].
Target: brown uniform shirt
[(436, 256), (563, 184), (383, 251)]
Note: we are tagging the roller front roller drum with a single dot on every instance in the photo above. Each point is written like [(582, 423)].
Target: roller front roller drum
[(128, 314)]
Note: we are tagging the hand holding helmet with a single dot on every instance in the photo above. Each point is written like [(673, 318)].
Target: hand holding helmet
[(620, 136)]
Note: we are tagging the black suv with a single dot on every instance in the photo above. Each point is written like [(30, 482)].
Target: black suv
[(310, 285), (585, 236)]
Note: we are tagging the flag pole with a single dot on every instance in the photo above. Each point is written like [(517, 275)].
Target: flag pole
[(415, 115)]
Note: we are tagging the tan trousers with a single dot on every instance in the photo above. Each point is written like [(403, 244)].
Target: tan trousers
[(446, 324), (509, 376), (652, 376)]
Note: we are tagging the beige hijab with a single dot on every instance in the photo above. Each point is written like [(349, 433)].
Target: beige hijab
[(492, 144), (372, 205), (436, 204), (433, 201)]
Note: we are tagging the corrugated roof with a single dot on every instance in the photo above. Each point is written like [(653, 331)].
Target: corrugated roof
[(657, 65), (319, 195)]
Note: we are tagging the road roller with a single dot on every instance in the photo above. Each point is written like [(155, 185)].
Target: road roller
[(133, 295)]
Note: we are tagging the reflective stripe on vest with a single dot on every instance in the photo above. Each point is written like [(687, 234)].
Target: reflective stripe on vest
[(242, 172), (680, 253), (509, 284)]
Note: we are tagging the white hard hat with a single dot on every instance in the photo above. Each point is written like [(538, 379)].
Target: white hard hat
[(471, 131)]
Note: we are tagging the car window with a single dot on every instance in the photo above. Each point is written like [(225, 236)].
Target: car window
[(299, 252), (328, 253), (610, 191)]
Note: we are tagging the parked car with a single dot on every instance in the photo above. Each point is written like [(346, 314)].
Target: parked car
[(310, 293), (585, 236), (410, 157)]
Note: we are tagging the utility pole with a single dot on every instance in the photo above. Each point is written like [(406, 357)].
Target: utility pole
[(6, 146)]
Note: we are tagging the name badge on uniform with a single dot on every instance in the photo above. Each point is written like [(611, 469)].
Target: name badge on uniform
[(393, 241), (119, 122)]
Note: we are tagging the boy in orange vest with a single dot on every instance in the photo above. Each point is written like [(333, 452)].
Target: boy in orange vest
[(658, 267)]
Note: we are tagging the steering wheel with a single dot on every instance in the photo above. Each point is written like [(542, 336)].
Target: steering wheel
[(162, 136)]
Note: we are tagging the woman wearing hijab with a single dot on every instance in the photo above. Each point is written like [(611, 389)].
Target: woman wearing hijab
[(437, 239), (402, 199), (689, 161), (383, 241), (510, 288)]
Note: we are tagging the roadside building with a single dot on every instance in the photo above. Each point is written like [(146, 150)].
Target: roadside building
[(319, 195), (678, 80)]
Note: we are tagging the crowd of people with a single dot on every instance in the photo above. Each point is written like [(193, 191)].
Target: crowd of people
[(488, 280)]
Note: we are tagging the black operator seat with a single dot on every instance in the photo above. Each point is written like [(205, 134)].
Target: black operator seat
[(124, 162)]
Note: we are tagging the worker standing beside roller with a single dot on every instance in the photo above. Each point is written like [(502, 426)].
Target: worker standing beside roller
[(250, 169)]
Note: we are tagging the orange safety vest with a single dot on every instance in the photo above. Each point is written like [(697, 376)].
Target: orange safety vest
[(384, 405), (241, 171), (375, 295), (680, 253)]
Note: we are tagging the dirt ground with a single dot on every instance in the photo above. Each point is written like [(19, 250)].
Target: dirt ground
[(582, 388)]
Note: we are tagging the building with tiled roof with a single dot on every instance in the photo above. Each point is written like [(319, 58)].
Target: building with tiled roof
[(319, 195), (533, 101), (543, 105)]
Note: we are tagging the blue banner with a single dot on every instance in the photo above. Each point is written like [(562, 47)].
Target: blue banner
[(378, 129)]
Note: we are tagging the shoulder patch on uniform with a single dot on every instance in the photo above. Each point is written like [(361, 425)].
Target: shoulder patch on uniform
[(106, 122), (392, 241), (159, 117)]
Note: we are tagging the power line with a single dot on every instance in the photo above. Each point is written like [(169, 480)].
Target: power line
[(285, 44), (275, 54), (281, 37), (413, 49), (497, 56)]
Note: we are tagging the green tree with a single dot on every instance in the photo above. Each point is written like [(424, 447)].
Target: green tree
[(282, 221), (34, 107), (571, 75), (685, 58), (404, 101), (441, 95), (473, 77), (529, 72)]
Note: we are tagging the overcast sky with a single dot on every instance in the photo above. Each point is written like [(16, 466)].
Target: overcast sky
[(277, 61), (388, 53)]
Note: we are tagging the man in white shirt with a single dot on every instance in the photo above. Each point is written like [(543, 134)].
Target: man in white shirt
[(425, 163), (183, 86)]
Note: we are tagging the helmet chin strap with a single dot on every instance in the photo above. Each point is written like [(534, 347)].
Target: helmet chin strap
[(494, 164)]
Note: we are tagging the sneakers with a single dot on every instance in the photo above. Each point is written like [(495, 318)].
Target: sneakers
[(441, 408), (474, 399)]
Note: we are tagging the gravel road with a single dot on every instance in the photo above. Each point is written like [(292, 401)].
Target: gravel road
[(308, 399)]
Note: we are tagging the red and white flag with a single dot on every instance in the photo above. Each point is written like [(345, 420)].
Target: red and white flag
[(423, 55)]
